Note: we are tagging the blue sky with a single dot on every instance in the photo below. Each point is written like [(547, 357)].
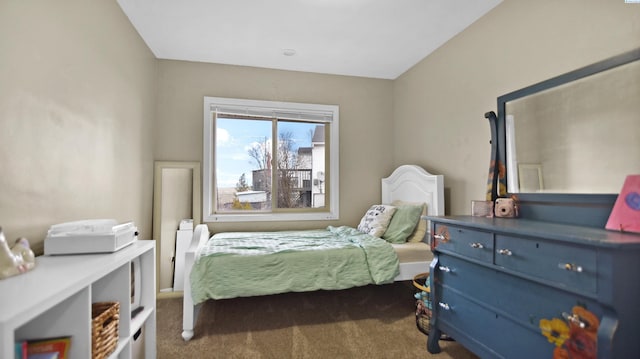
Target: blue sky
[(235, 137)]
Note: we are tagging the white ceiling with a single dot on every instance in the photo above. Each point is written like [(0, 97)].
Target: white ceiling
[(368, 38)]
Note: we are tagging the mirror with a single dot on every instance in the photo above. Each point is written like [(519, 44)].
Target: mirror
[(577, 133), (176, 196)]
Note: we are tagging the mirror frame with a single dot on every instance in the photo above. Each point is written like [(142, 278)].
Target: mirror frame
[(590, 210), (193, 168)]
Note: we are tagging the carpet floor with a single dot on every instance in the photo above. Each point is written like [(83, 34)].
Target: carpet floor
[(364, 322)]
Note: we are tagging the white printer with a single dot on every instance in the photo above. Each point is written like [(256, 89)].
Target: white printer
[(89, 236)]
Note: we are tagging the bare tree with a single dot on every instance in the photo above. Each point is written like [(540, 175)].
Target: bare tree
[(286, 163), (260, 152)]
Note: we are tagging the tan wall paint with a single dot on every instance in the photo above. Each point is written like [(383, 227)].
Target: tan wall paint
[(365, 104), (77, 100), (439, 104)]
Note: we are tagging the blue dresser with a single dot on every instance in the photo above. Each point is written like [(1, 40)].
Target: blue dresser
[(520, 288)]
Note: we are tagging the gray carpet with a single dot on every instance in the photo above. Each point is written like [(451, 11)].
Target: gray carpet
[(365, 322)]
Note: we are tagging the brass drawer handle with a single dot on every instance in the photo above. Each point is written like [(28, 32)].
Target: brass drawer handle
[(505, 252), (444, 269), (442, 235), (571, 267), (476, 245), (444, 306), (575, 319)]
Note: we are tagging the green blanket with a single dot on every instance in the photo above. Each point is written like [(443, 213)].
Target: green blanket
[(241, 264)]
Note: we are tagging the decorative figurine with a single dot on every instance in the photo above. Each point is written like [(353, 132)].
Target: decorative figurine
[(17, 259)]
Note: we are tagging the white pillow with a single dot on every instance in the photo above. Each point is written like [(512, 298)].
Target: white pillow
[(376, 220)]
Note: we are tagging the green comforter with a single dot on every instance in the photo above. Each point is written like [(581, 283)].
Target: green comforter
[(241, 264)]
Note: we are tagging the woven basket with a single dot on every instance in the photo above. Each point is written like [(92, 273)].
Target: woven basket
[(424, 305), (104, 328)]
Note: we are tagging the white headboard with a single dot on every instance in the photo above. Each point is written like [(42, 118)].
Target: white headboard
[(413, 184)]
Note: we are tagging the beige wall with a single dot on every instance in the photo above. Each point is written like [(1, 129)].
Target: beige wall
[(77, 100), (439, 104), (365, 122)]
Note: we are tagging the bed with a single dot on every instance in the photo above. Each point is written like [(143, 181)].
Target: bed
[(331, 258)]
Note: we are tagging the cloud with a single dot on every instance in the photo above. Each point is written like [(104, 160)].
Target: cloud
[(222, 137)]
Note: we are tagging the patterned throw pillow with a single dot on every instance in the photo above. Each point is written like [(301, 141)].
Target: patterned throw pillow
[(376, 220)]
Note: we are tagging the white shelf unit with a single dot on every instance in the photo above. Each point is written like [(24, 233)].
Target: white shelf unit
[(54, 299)]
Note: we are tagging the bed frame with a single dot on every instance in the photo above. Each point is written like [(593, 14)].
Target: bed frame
[(411, 183), (407, 183)]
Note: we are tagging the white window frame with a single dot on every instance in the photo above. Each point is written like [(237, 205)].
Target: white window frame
[(208, 158)]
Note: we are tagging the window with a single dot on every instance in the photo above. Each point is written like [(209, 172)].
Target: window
[(269, 161)]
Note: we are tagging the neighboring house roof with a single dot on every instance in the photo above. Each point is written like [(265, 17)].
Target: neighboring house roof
[(318, 135)]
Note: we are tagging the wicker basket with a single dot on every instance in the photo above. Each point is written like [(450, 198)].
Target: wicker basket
[(424, 305), (104, 328)]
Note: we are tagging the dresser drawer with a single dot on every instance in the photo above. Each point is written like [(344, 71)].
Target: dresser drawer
[(566, 265), (463, 241), (524, 301), (505, 338), (471, 279)]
